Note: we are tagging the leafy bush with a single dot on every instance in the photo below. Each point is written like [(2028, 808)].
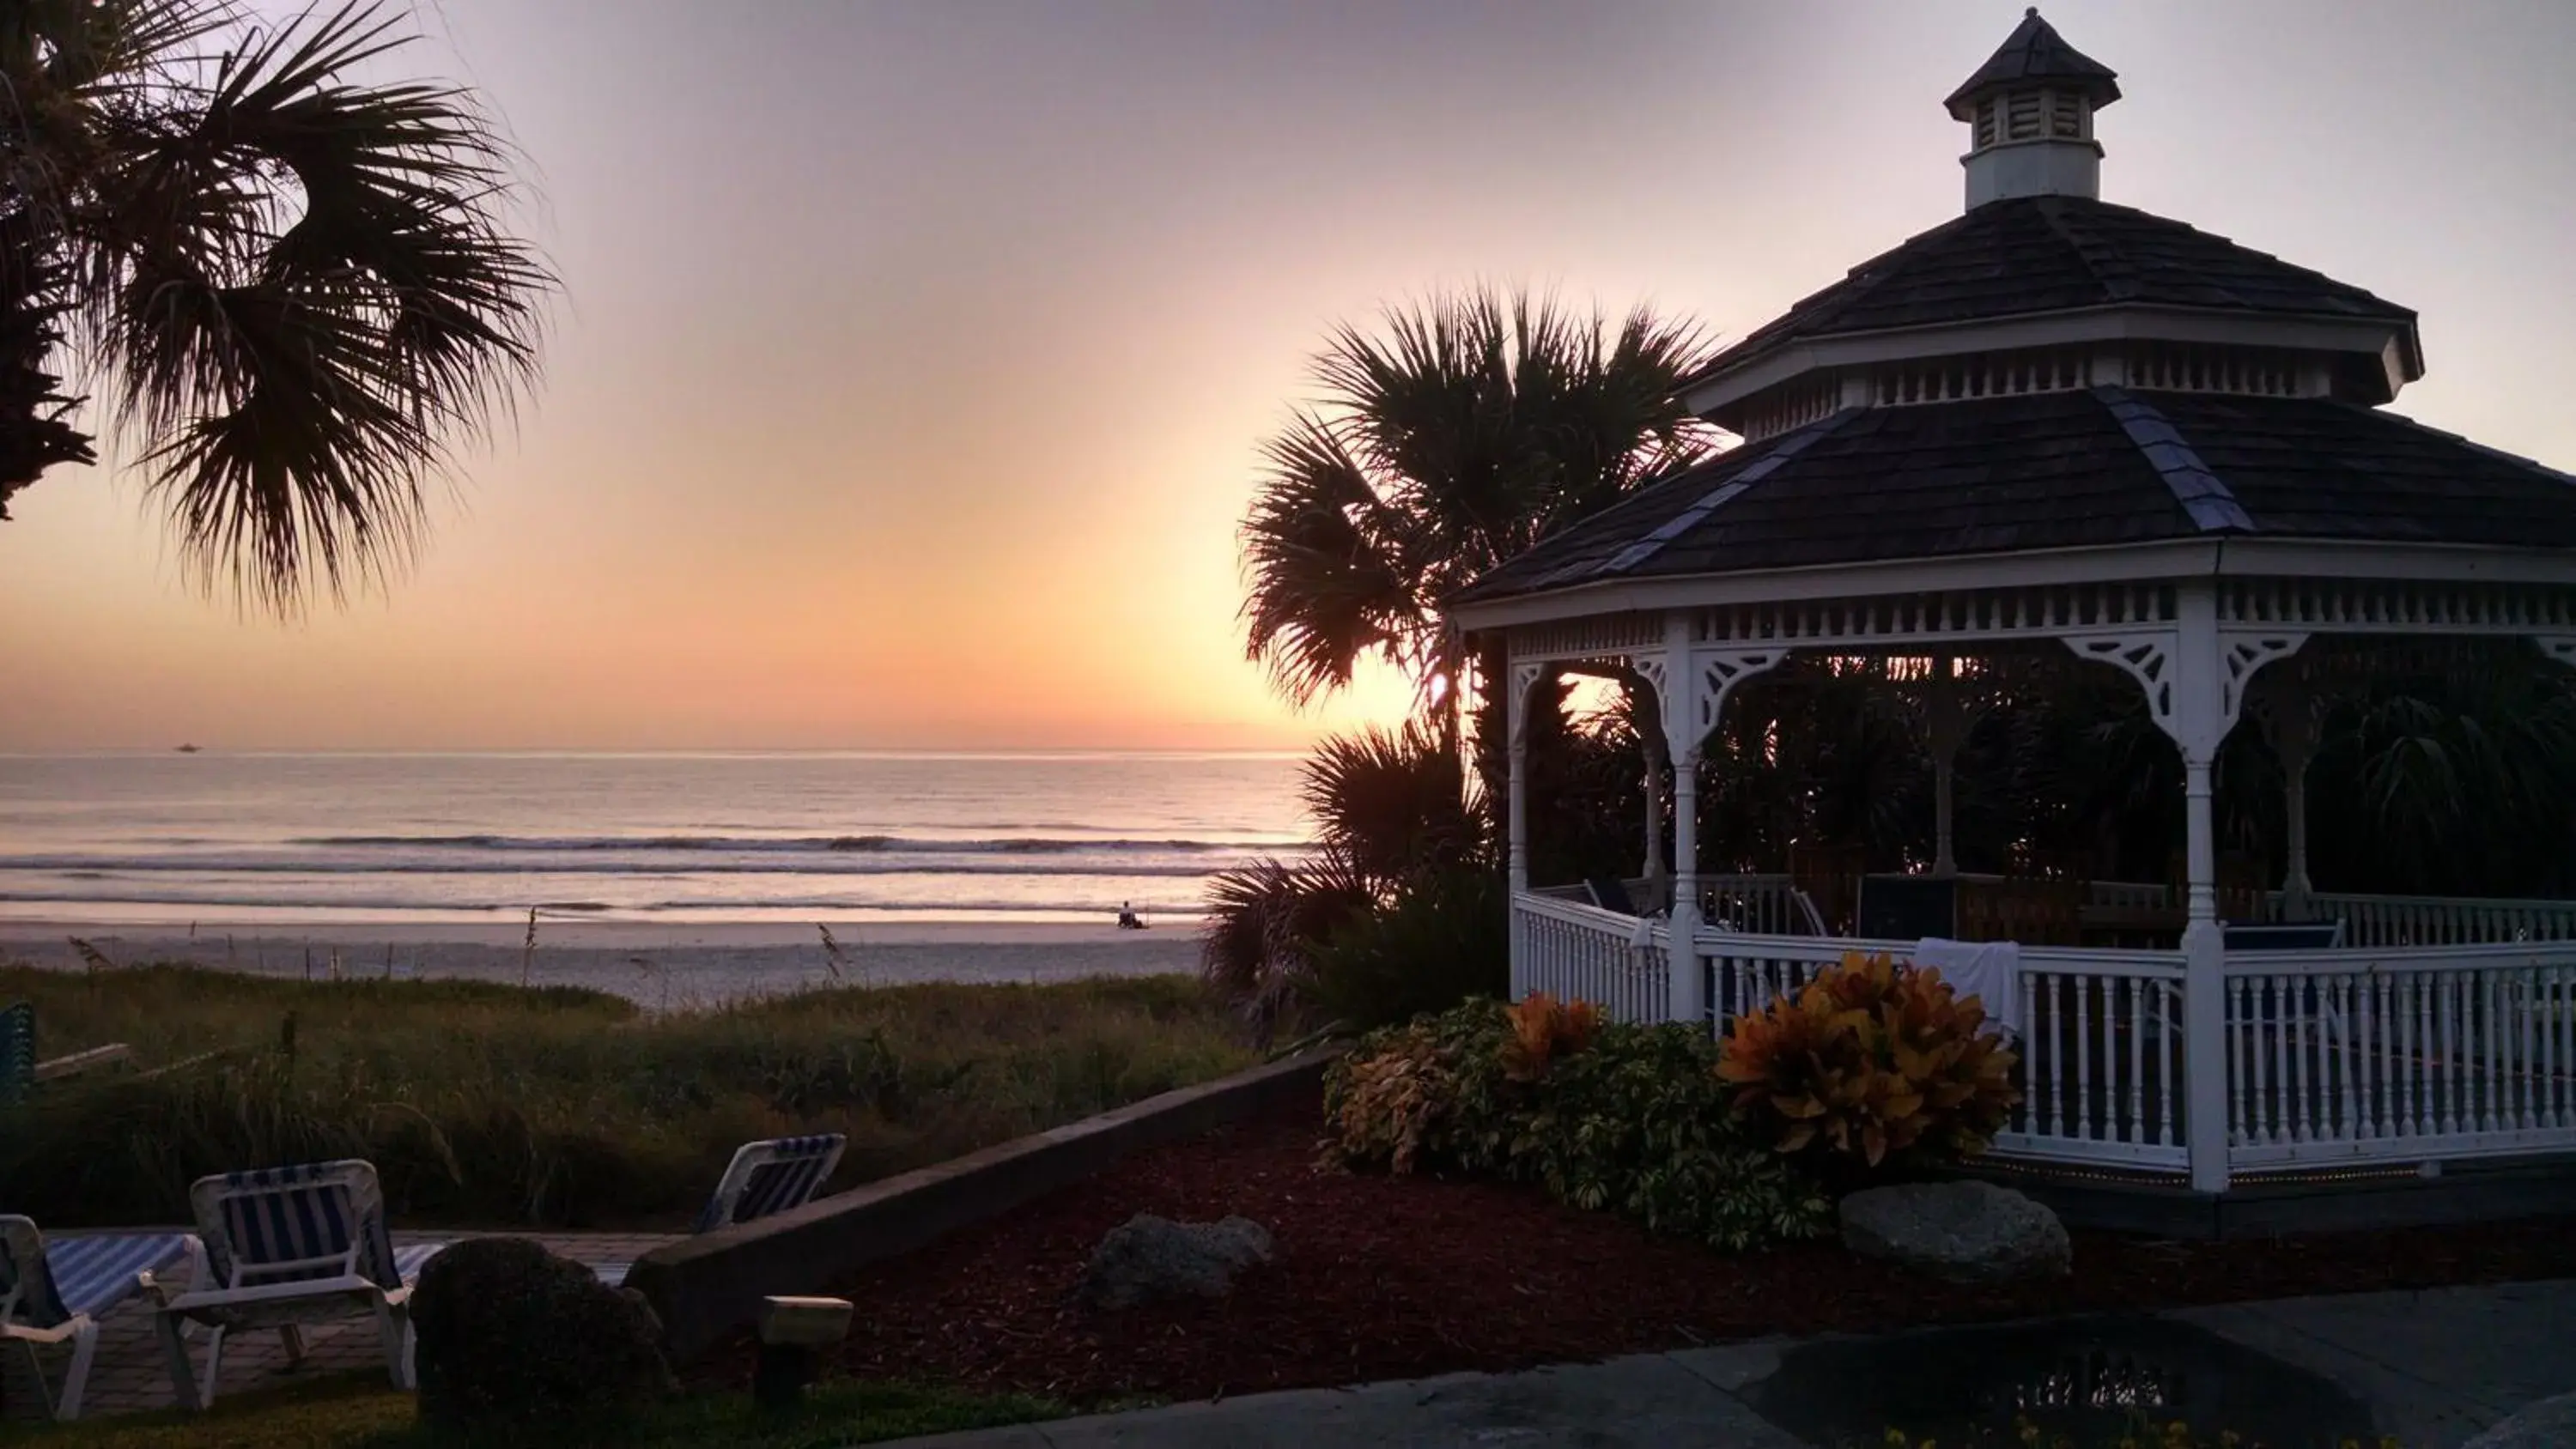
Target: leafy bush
[(1439, 939), (1872, 1058), (1628, 1119)]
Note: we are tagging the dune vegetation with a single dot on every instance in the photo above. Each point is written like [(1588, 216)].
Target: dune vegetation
[(489, 1105)]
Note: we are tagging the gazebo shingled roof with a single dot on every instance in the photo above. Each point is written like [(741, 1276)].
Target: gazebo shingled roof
[(2102, 466), (2036, 52), (2038, 254)]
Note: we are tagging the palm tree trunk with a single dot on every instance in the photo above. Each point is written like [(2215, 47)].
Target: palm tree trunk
[(33, 435)]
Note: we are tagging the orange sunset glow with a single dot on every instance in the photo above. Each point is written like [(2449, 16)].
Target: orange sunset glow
[(913, 359)]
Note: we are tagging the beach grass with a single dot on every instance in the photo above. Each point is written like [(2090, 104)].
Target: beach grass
[(486, 1105), (360, 1411)]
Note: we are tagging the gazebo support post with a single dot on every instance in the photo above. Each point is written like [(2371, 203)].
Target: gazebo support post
[(1692, 685), (1945, 728), (1518, 679), (1683, 734), (2198, 725)]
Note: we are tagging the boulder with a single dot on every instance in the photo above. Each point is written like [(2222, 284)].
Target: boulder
[(510, 1337), (2548, 1424), (1966, 1232), (1147, 1257)]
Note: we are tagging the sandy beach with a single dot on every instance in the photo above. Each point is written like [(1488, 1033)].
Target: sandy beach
[(656, 965)]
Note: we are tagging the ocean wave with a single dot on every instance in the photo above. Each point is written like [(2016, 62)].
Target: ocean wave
[(800, 844), (749, 910)]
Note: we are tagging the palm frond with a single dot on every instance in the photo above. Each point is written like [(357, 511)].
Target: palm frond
[(300, 288)]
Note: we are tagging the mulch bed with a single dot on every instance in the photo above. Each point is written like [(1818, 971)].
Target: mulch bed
[(1383, 1278)]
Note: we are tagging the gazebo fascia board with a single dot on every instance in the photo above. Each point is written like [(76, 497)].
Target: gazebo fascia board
[(2221, 557), (2397, 349)]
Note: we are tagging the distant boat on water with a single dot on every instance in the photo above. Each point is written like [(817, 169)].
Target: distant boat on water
[(187, 749)]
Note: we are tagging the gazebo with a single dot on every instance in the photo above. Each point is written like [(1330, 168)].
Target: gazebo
[(2058, 424)]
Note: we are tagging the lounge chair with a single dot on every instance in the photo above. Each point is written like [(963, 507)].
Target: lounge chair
[(283, 1247), (764, 1178), (53, 1291)]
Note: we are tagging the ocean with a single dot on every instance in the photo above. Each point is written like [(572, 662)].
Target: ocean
[(217, 837)]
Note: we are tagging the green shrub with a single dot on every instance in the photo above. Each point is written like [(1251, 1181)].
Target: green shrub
[(1634, 1122), (1441, 938)]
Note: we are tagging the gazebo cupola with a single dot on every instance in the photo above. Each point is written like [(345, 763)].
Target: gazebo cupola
[(2029, 113), (2061, 434)]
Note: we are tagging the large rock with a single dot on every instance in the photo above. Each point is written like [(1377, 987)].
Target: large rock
[(1147, 1257), (1966, 1232), (2549, 1424), (512, 1338)]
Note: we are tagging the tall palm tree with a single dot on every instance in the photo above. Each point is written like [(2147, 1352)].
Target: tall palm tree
[(1471, 427), (293, 290)]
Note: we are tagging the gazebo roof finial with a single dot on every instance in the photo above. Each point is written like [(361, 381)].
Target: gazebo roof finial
[(2030, 109)]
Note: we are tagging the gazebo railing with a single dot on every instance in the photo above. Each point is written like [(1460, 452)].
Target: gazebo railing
[(1574, 951), (2101, 1046), (2441, 920), (2406, 1054)]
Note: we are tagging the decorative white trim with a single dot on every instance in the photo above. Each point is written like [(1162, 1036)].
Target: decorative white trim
[(1525, 677), (2147, 655), (2240, 655), (1918, 619), (1718, 674)]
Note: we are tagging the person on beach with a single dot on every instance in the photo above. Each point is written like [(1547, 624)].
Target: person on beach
[(1128, 920)]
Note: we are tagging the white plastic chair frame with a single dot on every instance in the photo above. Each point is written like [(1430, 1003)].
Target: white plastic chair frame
[(284, 1247)]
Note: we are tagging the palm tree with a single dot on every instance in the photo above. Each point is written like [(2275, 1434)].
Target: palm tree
[(1396, 820), (293, 290), (1473, 427)]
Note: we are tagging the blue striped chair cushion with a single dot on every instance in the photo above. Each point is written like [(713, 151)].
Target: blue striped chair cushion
[(94, 1274), (312, 1210), (409, 1261), (784, 1174)]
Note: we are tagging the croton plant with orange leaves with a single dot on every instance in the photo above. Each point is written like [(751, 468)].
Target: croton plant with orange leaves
[(1544, 1028), (1871, 1058)]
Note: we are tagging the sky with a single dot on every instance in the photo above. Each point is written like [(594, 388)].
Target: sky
[(914, 356)]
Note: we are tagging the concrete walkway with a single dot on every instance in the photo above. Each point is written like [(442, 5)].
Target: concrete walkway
[(2431, 1368)]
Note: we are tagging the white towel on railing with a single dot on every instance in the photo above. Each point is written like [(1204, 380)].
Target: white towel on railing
[(1987, 970)]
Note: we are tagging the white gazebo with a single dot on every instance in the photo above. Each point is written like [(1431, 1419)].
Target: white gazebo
[(2058, 424)]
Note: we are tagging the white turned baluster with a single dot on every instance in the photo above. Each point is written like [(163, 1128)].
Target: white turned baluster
[(2165, 1083), (2449, 1080), (2374, 1071), (2135, 1123), (2240, 1065), (2028, 986), (2342, 1056), (2266, 1118), (2083, 1056), (2046, 1048), (2491, 991), (2553, 1001), (2297, 989), (2422, 1084)]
